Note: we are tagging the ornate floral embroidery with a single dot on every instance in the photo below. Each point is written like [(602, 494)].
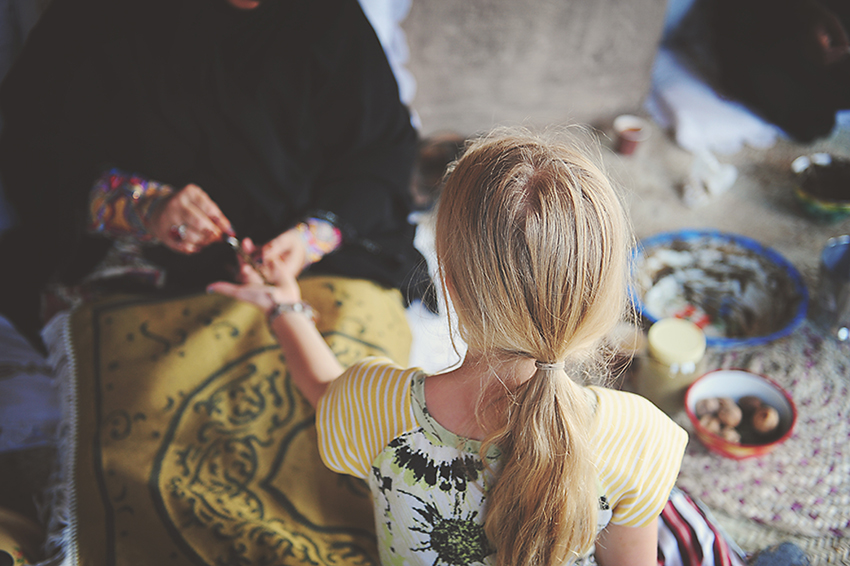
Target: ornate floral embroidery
[(320, 236), (120, 204)]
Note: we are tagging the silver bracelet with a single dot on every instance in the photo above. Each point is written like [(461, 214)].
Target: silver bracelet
[(299, 307)]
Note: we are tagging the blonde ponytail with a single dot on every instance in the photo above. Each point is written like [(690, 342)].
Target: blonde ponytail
[(532, 243), (544, 504)]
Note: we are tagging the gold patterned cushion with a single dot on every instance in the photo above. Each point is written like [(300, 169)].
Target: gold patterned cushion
[(192, 445)]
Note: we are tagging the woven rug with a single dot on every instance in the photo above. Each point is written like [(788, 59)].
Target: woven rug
[(187, 443), (803, 487), (753, 537)]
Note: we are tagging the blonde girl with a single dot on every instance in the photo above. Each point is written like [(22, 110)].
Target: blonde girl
[(507, 459)]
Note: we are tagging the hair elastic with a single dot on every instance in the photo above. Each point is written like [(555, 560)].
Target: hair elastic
[(549, 365)]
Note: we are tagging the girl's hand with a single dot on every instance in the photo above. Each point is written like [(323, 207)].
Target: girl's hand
[(189, 221), (310, 361), (253, 290)]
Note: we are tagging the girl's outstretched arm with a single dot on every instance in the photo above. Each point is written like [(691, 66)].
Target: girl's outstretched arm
[(310, 361), (628, 546)]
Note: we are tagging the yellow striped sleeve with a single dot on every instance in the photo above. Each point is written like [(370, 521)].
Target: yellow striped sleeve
[(639, 453), (361, 412)]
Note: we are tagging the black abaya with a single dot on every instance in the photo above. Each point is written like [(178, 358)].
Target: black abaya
[(278, 113)]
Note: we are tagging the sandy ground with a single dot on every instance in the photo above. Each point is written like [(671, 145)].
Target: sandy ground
[(760, 205)]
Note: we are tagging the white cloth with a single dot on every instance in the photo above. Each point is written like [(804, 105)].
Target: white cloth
[(29, 398), (700, 119), (386, 17)]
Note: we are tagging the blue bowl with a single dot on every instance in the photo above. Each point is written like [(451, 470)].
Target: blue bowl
[(684, 240)]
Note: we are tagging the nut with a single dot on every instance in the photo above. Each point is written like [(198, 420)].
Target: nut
[(707, 406), (766, 419), (710, 423), (729, 434), (729, 412)]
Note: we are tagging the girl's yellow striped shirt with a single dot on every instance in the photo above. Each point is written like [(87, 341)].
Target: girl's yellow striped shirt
[(638, 448)]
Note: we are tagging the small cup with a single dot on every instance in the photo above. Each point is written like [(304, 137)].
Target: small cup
[(832, 308), (630, 130)]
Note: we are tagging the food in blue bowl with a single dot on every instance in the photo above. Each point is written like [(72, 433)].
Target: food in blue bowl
[(738, 291)]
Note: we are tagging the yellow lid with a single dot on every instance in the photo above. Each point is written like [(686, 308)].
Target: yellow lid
[(676, 341)]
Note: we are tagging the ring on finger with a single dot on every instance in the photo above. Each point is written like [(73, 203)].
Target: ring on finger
[(178, 232)]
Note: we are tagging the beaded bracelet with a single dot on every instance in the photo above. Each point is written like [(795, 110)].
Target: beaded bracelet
[(299, 307)]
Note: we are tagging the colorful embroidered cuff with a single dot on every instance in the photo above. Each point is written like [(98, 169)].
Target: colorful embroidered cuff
[(121, 204), (321, 237)]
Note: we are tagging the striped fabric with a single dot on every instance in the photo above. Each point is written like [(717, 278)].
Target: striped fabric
[(640, 448), (362, 411), (639, 453), (687, 536)]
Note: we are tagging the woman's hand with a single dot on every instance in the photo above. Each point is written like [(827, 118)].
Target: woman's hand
[(288, 252), (251, 287), (189, 221)]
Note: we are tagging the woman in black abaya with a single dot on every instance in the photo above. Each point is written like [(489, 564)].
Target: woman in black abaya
[(260, 117), (139, 135)]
